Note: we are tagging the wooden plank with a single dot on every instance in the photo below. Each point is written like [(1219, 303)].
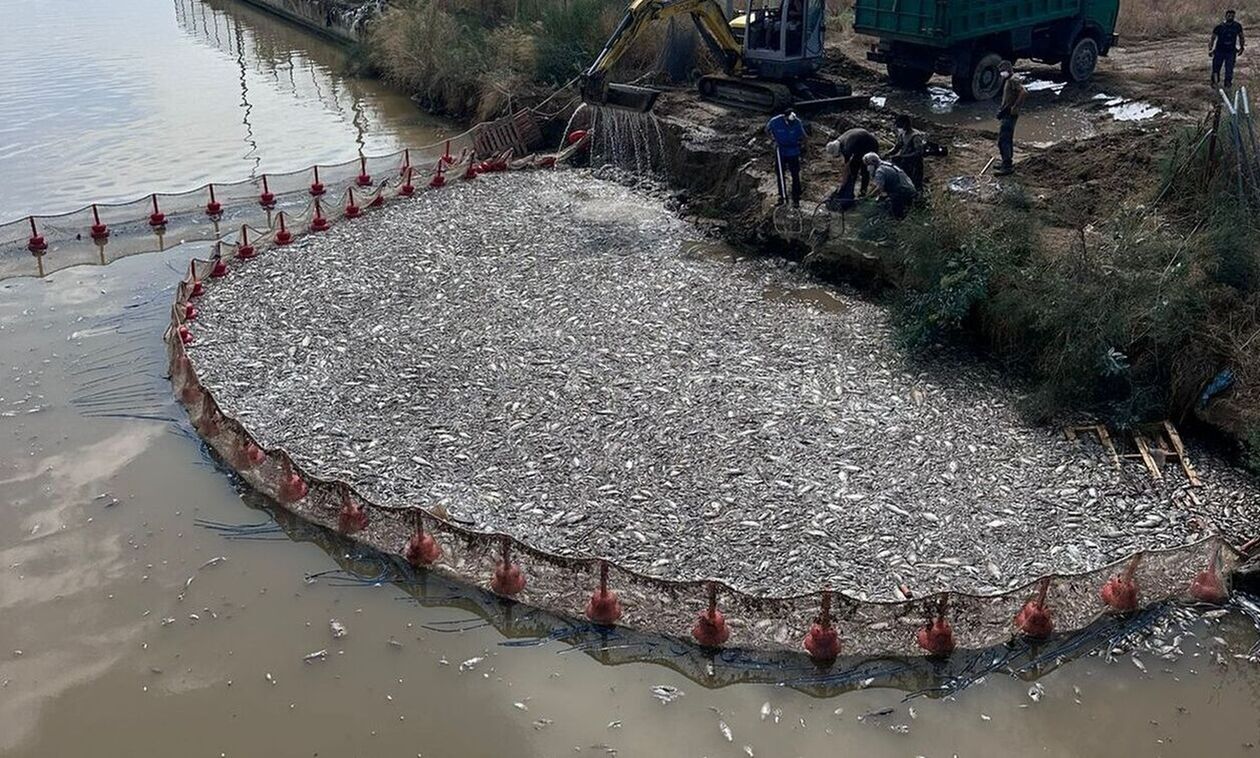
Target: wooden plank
[(1180, 450), (1069, 432), (1105, 437), (1145, 452)]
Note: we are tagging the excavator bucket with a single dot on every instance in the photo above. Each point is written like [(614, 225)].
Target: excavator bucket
[(630, 97), (625, 96)]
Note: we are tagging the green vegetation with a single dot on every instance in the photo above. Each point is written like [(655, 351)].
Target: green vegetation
[(1126, 317), (472, 60)]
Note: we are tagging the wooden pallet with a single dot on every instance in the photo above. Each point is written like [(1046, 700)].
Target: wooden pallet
[(1100, 431), (1167, 443), (518, 133)]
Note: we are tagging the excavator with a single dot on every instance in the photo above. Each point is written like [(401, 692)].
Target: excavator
[(770, 66)]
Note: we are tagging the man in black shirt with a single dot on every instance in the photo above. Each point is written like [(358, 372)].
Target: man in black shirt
[(1227, 42)]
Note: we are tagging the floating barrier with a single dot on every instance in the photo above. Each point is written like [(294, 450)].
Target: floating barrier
[(821, 624)]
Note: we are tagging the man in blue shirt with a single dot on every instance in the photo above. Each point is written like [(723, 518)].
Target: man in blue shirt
[(789, 138)]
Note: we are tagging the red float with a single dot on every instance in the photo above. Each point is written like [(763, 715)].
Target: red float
[(317, 187), (100, 232), (185, 335), (422, 550), (157, 218), (1120, 592), (36, 244), (711, 629), (575, 136), (319, 223), (1033, 619), (547, 162), (407, 189), (283, 236), (220, 268), (292, 487), (1207, 586), (352, 210), (508, 580), (363, 179), (471, 171), (352, 517), (822, 642), (604, 608), (447, 158), (937, 636), (268, 198), (244, 250), (190, 312), (438, 181), (214, 208)]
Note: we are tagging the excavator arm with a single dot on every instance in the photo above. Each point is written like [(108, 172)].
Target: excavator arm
[(709, 20)]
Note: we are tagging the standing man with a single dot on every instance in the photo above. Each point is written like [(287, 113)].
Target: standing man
[(892, 183), (850, 147), (789, 139), (1013, 95), (1227, 42), (910, 149)]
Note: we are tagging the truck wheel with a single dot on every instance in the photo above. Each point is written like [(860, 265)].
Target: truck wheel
[(908, 76), (1080, 63), (981, 80)]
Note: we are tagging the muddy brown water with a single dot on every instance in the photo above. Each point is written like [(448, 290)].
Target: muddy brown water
[(108, 649)]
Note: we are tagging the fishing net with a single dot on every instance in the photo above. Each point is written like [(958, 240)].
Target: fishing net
[(252, 209), (583, 587)]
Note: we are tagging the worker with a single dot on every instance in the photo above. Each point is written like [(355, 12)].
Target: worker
[(789, 139), (909, 150), (891, 183), (1227, 42), (1013, 96), (851, 146)]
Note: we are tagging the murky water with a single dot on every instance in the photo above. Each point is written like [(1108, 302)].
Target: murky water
[(107, 101), (121, 634)]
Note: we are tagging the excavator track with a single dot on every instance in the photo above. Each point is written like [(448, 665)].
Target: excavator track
[(750, 94)]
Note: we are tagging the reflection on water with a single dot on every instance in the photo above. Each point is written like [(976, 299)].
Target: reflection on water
[(108, 101)]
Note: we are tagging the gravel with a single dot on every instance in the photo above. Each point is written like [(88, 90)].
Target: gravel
[(555, 356)]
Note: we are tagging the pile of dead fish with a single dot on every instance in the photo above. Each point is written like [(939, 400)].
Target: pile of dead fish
[(547, 354)]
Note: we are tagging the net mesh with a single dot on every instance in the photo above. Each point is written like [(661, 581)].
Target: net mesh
[(564, 584), (101, 233)]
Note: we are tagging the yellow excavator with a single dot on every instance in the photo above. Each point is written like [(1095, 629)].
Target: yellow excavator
[(770, 65)]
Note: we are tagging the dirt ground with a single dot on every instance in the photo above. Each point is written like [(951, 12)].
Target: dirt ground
[(1103, 137)]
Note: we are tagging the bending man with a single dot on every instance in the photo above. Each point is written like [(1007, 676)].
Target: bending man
[(850, 147), (892, 183)]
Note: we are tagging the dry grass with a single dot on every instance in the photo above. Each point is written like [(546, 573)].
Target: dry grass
[(1161, 19)]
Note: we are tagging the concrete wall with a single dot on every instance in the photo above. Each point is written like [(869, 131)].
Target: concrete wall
[(330, 18)]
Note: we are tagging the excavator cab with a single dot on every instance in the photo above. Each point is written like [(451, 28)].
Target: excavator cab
[(764, 52), (783, 39)]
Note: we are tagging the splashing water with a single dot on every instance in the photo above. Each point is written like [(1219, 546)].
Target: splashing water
[(625, 139)]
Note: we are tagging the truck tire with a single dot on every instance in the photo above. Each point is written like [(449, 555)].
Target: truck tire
[(980, 80), (1081, 61), (908, 76)]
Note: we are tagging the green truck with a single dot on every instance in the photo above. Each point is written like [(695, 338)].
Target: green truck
[(968, 39)]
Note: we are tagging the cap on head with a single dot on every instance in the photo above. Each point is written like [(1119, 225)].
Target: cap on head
[(789, 114), (871, 159)]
